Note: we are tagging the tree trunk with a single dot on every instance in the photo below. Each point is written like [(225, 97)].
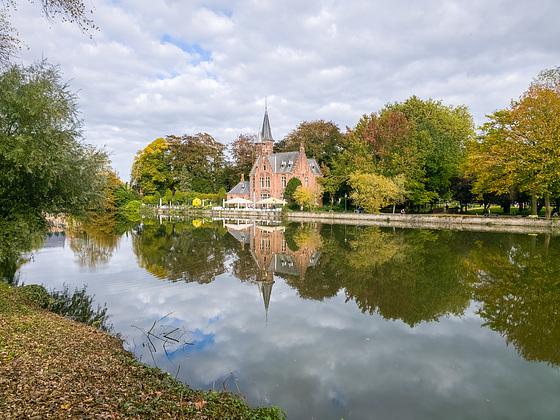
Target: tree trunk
[(547, 204), (534, 211)]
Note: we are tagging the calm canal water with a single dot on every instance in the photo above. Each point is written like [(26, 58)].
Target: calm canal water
[(330, 321)]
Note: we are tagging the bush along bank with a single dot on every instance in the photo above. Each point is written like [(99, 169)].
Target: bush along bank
[(51, 366)]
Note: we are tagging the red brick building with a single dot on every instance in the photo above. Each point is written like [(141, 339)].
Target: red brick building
[(272, 171)]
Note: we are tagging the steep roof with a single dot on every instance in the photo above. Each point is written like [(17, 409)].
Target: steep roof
[(314, 166), (283, 163), (241, 188), (266, 133)]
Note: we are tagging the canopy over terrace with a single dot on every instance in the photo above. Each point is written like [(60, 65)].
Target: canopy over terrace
[(270, 200), (237, 201)]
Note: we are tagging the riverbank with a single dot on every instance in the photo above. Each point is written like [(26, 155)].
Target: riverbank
[(51, 367), (494, 223)]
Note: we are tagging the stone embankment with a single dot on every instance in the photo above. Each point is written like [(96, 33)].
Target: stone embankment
[(515, 224), (435, 221)]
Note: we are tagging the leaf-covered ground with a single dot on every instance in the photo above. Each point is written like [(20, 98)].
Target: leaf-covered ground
[(51, 367)]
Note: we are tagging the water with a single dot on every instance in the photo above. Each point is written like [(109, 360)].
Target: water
[(331, 321)]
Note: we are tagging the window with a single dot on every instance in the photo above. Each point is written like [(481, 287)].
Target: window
[(306, 181), (283, 245), (262, 182), (268, 182), (264, 167), (283, 182)]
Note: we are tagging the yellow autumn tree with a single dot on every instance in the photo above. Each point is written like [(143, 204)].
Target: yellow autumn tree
[(520, 146), (376, 191)]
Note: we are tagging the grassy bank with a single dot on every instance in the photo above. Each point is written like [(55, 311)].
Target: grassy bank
[(51, 367)]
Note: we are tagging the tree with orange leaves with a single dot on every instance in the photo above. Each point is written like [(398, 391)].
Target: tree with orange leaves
[(520, 146)]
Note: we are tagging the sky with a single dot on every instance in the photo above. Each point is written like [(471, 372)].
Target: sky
[(174, 67)]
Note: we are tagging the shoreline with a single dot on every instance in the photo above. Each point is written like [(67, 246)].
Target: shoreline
[(53, 367), (511, 224)]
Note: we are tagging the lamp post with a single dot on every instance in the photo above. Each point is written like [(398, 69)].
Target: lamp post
[(345, 199)]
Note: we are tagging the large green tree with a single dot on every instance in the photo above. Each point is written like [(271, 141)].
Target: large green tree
[(204, 159), (44, 164), (441, 134), (243, 154), (384, 146), (322, 140), (151, 169)]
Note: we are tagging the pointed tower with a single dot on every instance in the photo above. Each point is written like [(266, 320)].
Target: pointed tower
[(265, 142)]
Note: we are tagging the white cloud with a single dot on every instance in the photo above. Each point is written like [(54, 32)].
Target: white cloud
[(171, 67)]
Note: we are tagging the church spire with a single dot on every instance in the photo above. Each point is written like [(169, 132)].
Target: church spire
[(266, 133)]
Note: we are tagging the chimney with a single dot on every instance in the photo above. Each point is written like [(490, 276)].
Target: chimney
[(242, 178)]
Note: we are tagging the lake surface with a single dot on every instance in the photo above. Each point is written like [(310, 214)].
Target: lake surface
[(330, 321)]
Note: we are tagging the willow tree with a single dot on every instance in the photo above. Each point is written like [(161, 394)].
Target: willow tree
[(45, 166)]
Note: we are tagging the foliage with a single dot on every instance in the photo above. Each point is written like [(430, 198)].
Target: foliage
[(330, 182), (123, 196), (73, 11), (519, 145), (9, 43), (243, 155), (392, 143), (135, 389), (151, 169), (201, 157), (376, 191), (322, 140), (44, 166), (222, 196), (302, 196), (517, 285), (291, 188)]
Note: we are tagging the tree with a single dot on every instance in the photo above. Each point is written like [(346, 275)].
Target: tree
[(222, 196), (291, 187), (330, 182), (203, 158), (185, 179), (44, 165), (151, 169), (461, 190), (386, 144), (376, 191), (322, 140), (441, 134), (306, 196), (243, 154), (73, 11), (519, 145)]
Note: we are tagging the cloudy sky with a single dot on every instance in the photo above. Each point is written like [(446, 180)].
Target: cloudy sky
[(160, 67)]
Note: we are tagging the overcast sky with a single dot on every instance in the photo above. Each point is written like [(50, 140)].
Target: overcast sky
[(161, 67)]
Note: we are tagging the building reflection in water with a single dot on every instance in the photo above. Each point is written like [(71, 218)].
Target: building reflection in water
[(271, 253)]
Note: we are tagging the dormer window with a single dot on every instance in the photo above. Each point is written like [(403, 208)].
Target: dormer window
[(290, 163)]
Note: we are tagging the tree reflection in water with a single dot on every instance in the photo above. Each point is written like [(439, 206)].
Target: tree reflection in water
[(409, 275), (517, 283)]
